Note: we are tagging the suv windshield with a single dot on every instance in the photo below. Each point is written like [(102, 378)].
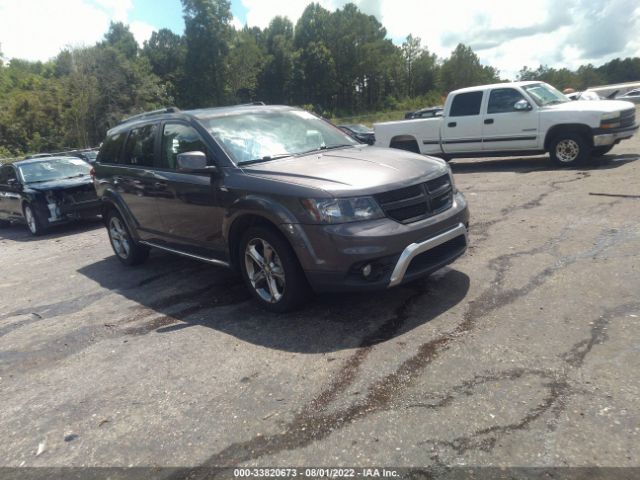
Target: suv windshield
[(54, 169), (262, 136), (544, 94)]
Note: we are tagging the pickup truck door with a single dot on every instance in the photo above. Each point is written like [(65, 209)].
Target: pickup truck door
[(507, 128), (462, 126)]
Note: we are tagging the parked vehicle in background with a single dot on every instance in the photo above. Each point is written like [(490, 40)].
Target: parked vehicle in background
[(428, 112), (360, 132), (281, 195), (520, 118), (586, 95), (88, 156), (631, 96), (46, 191)]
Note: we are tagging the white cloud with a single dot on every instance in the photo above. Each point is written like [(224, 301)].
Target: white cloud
[(141, 31)]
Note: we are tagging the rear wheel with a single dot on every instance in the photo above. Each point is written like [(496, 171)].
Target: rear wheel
[(600, 151), (569, 149), (125, 248), (35, 223), (271, 270)]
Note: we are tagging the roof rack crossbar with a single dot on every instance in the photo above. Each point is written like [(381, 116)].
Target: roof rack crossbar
[(151, 114)]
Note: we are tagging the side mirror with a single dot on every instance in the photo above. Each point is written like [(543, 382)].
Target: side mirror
[(13, 183), (522, 106), (194, 162)]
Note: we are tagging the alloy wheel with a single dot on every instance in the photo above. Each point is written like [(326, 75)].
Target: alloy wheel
[(31, 220), (567, 150), (119, 238), (264, 269)]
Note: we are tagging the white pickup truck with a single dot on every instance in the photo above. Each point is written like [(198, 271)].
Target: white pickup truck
[(520, 118)]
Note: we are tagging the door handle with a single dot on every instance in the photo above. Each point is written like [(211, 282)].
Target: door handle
[(488, 121), (160, 184), (451, 124)]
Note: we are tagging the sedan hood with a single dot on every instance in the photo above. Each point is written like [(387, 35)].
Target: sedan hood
[(599, 106), (61, 184), (352, 171)]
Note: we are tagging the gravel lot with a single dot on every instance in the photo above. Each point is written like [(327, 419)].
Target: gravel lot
[(525, 352)]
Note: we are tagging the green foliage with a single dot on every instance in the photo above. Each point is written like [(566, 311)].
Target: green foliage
[(338, 63)]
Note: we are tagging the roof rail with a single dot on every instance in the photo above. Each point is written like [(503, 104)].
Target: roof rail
[(151, 114)]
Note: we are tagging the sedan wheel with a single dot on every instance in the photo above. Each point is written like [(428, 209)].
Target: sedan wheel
[(33, 222)]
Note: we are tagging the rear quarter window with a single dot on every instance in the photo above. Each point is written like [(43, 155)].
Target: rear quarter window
[(111, 149)]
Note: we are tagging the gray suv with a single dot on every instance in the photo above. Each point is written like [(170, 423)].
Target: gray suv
[(281, 195)]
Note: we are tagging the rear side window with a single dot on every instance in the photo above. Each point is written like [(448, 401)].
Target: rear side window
[(177, 138), (111, 148), (139, 148), (502, 100), (466, 104)]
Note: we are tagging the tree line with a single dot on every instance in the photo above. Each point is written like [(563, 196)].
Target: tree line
[(335, 63)]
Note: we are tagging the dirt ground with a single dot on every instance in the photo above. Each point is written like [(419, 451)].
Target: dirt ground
[(525, 352)]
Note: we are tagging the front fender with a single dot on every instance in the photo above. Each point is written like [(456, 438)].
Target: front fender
[(110, 199)]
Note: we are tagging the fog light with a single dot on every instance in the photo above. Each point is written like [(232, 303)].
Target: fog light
[(366, 270)]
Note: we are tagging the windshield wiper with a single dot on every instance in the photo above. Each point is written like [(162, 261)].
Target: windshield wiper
[(324, 147), (266, 158), (78, 175)]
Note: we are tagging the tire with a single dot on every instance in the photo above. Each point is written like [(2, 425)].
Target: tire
[(283, 286), (569, 149), (408, 145), (600, 151), (36, 225), (126, 249)]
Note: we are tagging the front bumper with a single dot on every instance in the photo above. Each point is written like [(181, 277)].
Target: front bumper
[(333, 256), (604, 137)]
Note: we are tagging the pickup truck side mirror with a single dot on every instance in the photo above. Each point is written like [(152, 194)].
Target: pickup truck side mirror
[(522, 106), (194, 162)]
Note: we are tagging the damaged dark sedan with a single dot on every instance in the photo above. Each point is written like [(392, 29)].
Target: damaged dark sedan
[(46, 191)]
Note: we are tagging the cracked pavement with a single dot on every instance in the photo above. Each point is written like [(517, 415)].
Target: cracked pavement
[(525, 352)]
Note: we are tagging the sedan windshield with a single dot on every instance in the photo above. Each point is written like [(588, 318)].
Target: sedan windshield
[(54, 169), (267, 135), (544, 94)]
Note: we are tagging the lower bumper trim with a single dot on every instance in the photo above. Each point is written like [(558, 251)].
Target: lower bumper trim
[(416, 249)]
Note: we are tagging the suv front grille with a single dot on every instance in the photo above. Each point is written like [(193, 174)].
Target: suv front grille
[(417, 202), (628, 118)]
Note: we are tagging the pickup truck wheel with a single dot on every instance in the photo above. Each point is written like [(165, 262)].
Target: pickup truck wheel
[(569, 149), (35, 224), (271, 270), (125, 248), (600, 151)]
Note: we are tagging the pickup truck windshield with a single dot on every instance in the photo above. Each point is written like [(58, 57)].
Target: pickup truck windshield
[(544, 94), (263, 136)]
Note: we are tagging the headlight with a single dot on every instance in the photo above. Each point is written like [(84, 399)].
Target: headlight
[(610, 120), (342, 210)]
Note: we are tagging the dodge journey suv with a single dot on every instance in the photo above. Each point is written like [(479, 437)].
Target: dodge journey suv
[(281, 195)]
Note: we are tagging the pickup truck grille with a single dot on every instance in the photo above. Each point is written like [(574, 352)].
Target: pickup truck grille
[(417, 202), (628, 118)]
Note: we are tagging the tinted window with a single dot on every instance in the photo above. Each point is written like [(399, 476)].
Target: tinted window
[(111, 148), (7, 173), (502, 100), (177, 139), (466, 104), (140, 145)]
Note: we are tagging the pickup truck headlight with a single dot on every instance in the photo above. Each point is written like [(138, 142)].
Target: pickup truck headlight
[(342, 210), (610, 120)]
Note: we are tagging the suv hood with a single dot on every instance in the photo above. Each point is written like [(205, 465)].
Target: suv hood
[(352, 171), (596, 106)]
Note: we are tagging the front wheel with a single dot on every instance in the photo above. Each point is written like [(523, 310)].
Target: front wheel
[(600, 151), (125, 248), (569, 149), (35, 224), (271, 270)]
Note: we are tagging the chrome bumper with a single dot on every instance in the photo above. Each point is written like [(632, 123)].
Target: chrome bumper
[(416, 249)]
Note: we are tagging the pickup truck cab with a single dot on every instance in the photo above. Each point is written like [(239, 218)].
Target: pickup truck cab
[(519, 118)]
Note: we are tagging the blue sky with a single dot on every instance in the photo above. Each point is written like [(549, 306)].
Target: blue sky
[(499, 31)]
